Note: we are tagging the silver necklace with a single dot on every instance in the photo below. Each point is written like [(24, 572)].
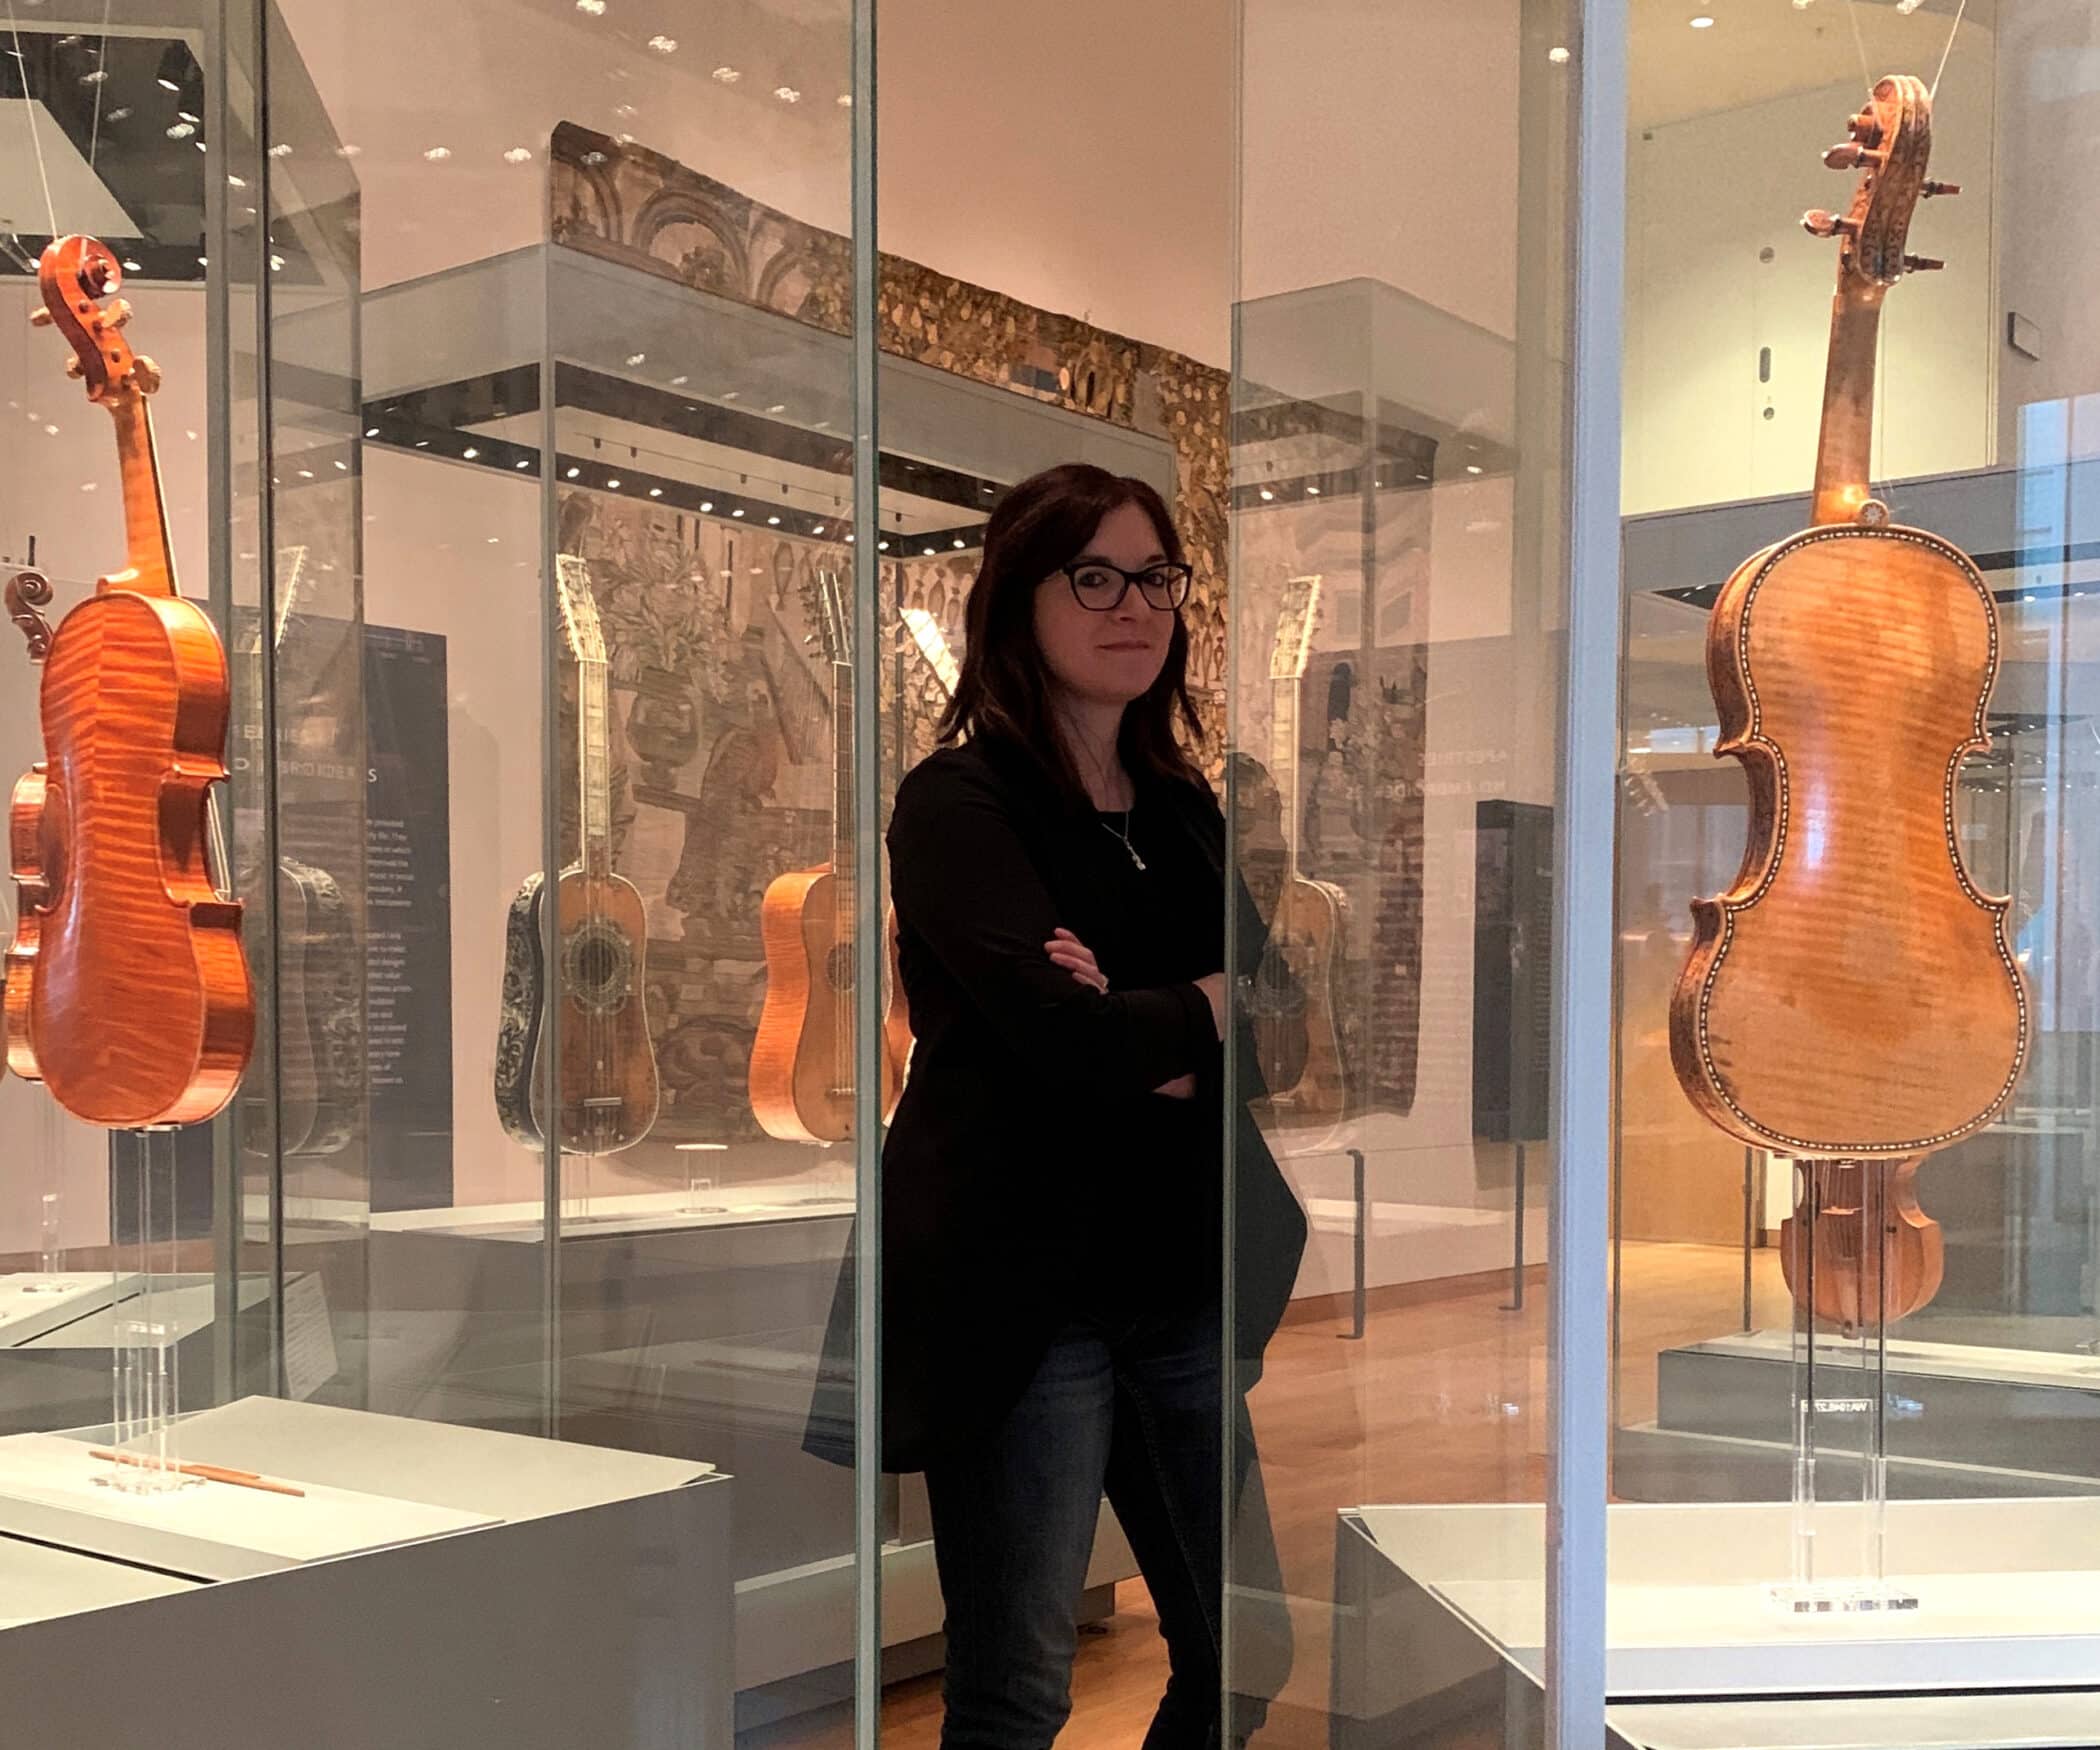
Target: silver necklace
[(1123, 834)]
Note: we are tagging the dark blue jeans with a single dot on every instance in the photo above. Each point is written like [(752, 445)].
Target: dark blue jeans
[(1135, 1411)]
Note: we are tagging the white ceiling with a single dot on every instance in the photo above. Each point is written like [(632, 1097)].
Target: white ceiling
[(1758, 49)]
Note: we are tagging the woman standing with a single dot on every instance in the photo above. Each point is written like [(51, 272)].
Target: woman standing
[(1053, 1179)]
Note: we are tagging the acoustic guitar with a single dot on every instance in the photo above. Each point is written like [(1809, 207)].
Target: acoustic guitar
[(1293, 1000), (605, 1075), (1852, 999), (127, 991), (801, 1077)]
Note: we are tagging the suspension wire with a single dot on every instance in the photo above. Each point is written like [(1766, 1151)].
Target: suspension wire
[(102, 67), (36, 139), (1959, 13)]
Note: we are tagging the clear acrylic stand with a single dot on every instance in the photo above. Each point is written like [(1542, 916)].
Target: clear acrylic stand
[(146, 1393), (699, 1186), (50, 1251), (1841, 1396)]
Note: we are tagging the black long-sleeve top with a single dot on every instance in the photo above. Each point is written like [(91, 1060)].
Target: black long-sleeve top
[(1031, 1171)]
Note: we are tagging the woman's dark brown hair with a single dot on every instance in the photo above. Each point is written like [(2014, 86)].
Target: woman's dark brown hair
[(1040, 526)]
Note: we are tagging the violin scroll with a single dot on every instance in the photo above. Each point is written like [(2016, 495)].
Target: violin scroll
[(26, 592), (1891, 140), (75, 275)]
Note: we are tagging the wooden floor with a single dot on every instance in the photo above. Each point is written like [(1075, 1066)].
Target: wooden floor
[(1442, 1400)]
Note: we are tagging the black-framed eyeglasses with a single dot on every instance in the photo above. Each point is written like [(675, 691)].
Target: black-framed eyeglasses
[(1101, 586)]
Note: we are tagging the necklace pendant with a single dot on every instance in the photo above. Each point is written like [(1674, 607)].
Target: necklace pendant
[(1137, 860)]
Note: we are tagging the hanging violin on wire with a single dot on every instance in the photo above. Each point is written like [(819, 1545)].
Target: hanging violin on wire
[(1852, 1000), (127, 991)]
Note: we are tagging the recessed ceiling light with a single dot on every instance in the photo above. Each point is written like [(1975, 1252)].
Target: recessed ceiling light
[(345, 151), (1558, 56), (849, 540), (470, 452), (664, 45), (371, 431), (233, 181), (277, 264), (131, 266), (1267, 497), (181, 130), (680, 383), (773, 522), (656, 492), (727, 75), (1314, 490), (573, 472), (184, 115), (818, 530), (438, 154), (880, 546), (204, 261), (707, 504), (524, 461), (122, 113), (778, 407), (787, 94), (168, 85), (592, 8), (737, 512), (635, 358), (1703, 22), (614, 484), (283, 150), (930, 551), (518, 155), (1472, 467), (957, 545)]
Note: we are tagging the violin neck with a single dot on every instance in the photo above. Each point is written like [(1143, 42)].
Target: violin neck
[(1844, 456), (151, 563)]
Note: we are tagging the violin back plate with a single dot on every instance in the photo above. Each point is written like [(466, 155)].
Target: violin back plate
[(1854, 993)]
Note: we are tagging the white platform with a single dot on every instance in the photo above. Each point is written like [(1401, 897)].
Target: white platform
[(33, 1303), (2009, 1595), (252, 1530), (626, 1213), (1940, 1360)]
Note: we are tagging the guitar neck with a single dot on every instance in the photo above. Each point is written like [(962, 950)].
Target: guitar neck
[(1844, 456), (842, 812), (595, 768), (152, 564), (1283, 756)]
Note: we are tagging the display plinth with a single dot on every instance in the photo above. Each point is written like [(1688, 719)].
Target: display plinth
[(1441, 1613)]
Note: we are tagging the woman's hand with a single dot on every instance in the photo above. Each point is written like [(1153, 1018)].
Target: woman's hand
[(1068, 951)]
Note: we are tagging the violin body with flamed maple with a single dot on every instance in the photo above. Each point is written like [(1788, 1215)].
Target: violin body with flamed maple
[(127, 991), (1852, 1000)]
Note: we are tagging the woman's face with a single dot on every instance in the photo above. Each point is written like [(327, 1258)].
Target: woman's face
[(1112, 657)]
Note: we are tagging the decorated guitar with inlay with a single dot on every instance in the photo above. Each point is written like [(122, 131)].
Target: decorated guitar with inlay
[(127, 991), (605, 1066), (1852, 1000)]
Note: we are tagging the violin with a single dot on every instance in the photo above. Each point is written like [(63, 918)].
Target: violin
[(1852, 1000), (127, 991)]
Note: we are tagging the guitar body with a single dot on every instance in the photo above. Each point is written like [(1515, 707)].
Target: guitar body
[(802, 1059), (138, 1010), (1293, 1004), (606, 1079), (1853, 993)]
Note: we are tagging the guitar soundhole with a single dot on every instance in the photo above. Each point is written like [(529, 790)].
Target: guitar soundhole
[(838, 966), (1279, 991), (597, 966)]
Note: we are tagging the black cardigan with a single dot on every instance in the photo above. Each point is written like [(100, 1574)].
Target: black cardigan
[(1013, 1058)]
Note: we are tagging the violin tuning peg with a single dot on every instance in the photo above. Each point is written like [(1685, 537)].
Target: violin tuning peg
[(40, 317), (1922, 264), (1846, 155), (74, 368), (1865, 128), (1938, 188), (119, 312), (147, 375), (1817, 223)]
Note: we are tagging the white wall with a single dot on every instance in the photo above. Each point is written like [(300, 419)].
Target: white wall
[(1708, 200)]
